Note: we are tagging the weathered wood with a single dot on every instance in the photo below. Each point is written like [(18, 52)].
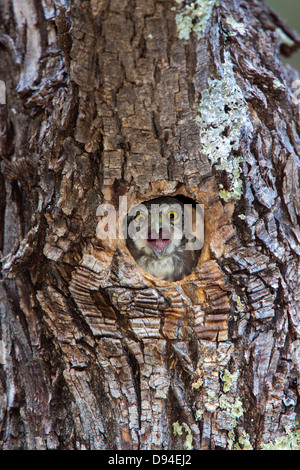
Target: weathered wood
[(121, 98)]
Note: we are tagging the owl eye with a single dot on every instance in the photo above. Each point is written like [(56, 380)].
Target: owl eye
[(140, 218), (173, 215)]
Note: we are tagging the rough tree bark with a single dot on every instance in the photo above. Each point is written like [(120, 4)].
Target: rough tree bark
[(110, 98)]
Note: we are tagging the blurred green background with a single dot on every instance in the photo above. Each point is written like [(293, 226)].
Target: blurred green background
[(288, 10)]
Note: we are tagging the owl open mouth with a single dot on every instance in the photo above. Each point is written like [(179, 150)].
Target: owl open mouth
[(159, 241)]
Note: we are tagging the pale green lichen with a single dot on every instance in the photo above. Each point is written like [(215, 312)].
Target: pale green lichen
[(235, 408), (238, 27), (291, 441), (197, 384), (193, 17), (285, 39), (224, 403), (240, 307), (236, 182), (222, 116), (189, 438), (243, 442), (228, 379), (277, 83), (178, 430), (231, 439), (199, 415)]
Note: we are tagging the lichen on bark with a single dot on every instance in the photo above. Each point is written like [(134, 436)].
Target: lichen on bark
[(222, 117), (193, 17)]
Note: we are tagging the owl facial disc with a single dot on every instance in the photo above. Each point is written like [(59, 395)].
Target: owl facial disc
[(160, 236)]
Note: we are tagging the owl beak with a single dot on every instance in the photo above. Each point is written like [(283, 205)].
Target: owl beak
[(159, 239)]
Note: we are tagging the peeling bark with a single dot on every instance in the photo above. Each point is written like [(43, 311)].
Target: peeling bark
[(105, 100)]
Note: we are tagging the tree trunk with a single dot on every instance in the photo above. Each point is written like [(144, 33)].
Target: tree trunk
[(110, 99)]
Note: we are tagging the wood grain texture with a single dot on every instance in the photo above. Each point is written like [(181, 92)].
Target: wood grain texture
[(103, 100)]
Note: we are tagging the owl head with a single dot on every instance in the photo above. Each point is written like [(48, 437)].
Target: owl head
[(158, 237)]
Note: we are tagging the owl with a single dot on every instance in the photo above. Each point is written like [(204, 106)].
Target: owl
[(160, 238)]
